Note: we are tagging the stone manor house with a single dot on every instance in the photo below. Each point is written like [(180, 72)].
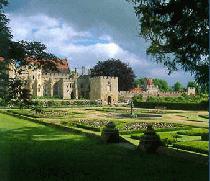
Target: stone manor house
[(66, 84), (69, 84)]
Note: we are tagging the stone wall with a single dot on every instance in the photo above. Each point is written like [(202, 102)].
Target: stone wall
[(83, 84)]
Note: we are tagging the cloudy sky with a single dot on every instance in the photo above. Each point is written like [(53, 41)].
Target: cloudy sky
[(86, 31)]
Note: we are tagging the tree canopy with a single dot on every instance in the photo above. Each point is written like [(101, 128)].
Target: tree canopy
[(162, 84), (178, 34), (18, 52), (114, 67), (177, 86), (140, 82)]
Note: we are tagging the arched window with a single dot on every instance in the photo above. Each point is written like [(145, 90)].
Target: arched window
[(39, 88), (109, 86)]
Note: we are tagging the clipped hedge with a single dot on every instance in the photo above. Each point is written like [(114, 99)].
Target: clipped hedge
[(173, 105), (88, 127), (64, 103), (196, 146), (193, 132)]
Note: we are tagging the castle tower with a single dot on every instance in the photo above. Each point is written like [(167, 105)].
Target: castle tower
[(104, 88)]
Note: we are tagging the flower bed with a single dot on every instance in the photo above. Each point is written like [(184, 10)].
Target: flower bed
[(43, 114), (143, 125)]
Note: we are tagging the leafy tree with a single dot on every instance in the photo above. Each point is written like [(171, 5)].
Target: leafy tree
[(18, 94), (140, 82), (5, 34), (21, 50), (18, 52), (162, 84), (177, 86), (191, 84), (198, 88), (178, 34), (5, 39), (114, 67)]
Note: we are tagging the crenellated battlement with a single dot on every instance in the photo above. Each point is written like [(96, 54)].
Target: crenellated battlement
[(56, 75), (104, 77)]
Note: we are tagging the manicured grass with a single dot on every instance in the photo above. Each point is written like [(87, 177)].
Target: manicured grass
[(31, 151)]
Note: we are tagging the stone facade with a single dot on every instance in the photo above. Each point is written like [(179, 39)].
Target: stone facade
[(66, 85), (191, 91), (149, 89)]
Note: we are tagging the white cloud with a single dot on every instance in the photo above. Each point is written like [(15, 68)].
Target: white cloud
[(82, 48), (58, 36)]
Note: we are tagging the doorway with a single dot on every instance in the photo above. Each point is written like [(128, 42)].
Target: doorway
[(109, 100)]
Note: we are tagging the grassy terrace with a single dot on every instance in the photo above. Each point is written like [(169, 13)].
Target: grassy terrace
[(31, 151), (173, 126)]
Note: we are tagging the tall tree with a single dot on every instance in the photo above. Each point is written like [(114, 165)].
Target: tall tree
[(178, 33), (140, 82), (5, 34), (17, 52), (5, 39), (191, 84), (162, 84), (114, 67), (177, 87)]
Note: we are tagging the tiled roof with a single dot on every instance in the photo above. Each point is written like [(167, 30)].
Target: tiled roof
[(61, 64)]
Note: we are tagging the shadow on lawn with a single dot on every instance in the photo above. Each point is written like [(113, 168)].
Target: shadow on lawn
[(42, 153)]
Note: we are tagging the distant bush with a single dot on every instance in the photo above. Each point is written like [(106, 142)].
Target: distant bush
[(173, 105), (65, 103), (178, 99), (150, 141), (138, 98), (185, 102), (110, 133)]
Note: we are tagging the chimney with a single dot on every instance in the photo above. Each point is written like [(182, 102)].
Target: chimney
[(83, 70)]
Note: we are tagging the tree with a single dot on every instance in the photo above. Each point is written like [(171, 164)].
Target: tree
[(162, 84), (114, 67), (5, 34), (178, 34), (18, 94), (140, 82), (192, 84), (177, 87), (18, 52)]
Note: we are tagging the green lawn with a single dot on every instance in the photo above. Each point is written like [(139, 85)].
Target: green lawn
[(30, 151)]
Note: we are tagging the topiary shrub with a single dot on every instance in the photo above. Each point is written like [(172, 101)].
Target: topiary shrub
[(150, 141), (110, 133)]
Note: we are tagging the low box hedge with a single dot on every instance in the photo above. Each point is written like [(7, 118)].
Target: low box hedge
[(196, 146), (173, 105)]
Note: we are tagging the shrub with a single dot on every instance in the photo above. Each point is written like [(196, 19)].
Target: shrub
[(173, 105), (110, 133), (150, 141)]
